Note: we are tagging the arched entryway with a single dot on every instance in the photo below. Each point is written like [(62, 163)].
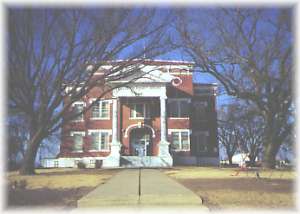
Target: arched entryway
[(141, 142)]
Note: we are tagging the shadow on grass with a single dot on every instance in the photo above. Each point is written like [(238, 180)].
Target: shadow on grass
[(91, 171), (45, 197)]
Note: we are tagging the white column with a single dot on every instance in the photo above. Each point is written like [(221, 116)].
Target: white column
[(115, 121), (163, 122), (163, 152), (113, 160)]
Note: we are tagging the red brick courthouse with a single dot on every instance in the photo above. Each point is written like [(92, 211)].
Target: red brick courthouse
[(163, 119)]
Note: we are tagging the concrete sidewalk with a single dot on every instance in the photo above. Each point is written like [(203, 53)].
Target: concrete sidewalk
[(145, 187), (159, 190), (121, 189)]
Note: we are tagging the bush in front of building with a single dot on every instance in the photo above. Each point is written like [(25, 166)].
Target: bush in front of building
[(81, 165)]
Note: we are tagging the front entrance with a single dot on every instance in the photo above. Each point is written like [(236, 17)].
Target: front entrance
[(140, 142)]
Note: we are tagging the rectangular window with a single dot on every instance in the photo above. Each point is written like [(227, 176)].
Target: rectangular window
[(180, 140), (100, 110), (139, 110), (95, 110), (100, 140), (77, 141), (77, 108), (184, 108), (178, 108), (176, 140), (104, 109), (185, 143), (104, 141), (95, 141)]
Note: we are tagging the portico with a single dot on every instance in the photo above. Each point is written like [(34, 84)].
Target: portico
[(151, 85)]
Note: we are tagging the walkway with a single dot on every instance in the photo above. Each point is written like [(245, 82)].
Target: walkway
[(146, 187)]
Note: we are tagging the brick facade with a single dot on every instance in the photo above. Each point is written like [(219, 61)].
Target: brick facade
[(183, 89)]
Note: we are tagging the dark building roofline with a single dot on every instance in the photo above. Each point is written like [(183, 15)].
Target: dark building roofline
[(151, 62), (205, 84)]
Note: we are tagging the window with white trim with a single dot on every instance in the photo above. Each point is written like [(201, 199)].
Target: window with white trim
[(178, 108), (77, 141), (100, 110), (100, 140), (201, 140), (139, 110), (77, 108), (180, 140)]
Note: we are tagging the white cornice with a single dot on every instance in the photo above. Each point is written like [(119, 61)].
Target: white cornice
[(149, 75)]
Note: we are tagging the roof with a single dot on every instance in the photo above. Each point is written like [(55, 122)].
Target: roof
[(152, 62), (149, 76), (198, 84)]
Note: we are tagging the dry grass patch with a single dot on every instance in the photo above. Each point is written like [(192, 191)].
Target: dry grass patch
[(228, 199), (216, 172), (220, 190), (54, 187), (63, 179)]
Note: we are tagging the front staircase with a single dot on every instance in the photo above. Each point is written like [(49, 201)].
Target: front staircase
[(145, 161)]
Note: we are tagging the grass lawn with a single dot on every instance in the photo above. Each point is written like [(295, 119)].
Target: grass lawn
[(54, 187), (220, 188), (223, 188)]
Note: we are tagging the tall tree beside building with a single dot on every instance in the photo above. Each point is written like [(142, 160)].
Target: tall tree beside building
[(17, 137), (250, 52), (53, 53)]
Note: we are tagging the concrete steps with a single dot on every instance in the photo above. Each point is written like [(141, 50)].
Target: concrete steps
[(145, 161)]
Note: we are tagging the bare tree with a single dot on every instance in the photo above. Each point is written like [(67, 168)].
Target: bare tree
[(241, 130), (16, 140), (250, 52), (229, 131), (229, 138), (54, 53), (252, 129)]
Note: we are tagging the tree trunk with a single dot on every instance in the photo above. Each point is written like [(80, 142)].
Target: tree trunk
[(252, 160), (230, 159), (271, 143), (28, 165), (270, 152)]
